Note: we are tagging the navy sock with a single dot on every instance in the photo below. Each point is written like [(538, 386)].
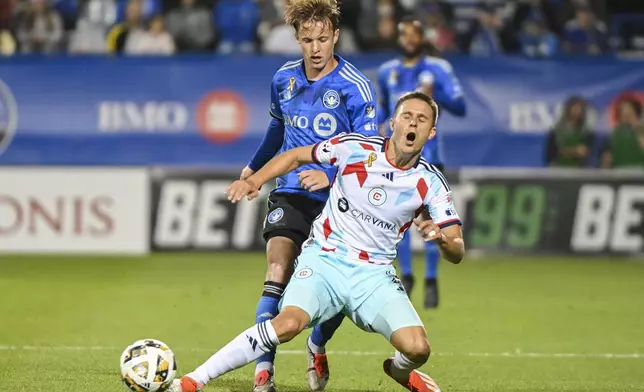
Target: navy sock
[(322, 333), (404, 255), (267, 309), (432, 254)]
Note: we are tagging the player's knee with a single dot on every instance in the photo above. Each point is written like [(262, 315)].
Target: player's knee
[(289, 323), (417, 349)]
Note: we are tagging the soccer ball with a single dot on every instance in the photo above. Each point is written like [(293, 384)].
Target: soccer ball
[(148, 366)]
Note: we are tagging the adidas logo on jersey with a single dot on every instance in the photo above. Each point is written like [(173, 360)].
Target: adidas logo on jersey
[(389, 176)]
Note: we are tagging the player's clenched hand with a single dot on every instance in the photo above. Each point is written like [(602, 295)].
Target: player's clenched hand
[(430, 230), (313, 180), (240, 189)]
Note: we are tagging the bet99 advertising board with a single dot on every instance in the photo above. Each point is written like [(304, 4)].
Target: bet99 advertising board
[(514, 211)]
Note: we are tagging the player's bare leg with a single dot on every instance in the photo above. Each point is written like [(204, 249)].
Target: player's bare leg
[(245, 348), (412, 351), (280, 256)]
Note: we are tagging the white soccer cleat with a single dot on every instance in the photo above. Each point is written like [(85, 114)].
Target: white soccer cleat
[(317, 374)]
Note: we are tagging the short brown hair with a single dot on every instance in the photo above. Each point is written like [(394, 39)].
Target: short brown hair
[(423, 97), (299, 12)]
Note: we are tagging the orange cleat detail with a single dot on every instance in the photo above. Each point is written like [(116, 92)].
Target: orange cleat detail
[(417, 381), (264, 382), (190, 385)]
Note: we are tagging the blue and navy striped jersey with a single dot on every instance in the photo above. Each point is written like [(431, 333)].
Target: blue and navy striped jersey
[(342, 101), (395, 79)]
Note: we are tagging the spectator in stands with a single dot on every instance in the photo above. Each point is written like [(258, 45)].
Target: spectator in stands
[(570, 141), (237, 21), (536, 40), (422, 9), (7, 43), (191, 26), (439, 34), (625, 148), (486, 36), (118, 35), (155, 41), (40, 30), (541, 10), (377, 24), (585, 34), (91, 28)]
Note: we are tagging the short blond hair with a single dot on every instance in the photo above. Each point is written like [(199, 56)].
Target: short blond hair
[(299, 12)]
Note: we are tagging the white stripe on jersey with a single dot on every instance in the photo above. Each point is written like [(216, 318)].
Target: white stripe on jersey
[(363, 87), (290, 64), (434, 169), (365, 82)]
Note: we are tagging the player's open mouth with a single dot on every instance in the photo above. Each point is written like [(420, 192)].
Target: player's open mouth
[(410, 138), (316, 59)]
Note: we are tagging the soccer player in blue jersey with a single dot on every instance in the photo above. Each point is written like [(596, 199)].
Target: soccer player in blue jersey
[(312, 99), (417, 71)]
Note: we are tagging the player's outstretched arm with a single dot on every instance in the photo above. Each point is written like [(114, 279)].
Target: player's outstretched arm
[(278, 166), (449, 239)]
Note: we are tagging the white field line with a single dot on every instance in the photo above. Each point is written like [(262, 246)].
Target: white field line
[(515, 354)]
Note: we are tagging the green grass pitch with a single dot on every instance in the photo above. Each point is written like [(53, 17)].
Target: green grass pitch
[(505, 324)]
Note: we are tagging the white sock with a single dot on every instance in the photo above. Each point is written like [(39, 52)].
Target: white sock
[(264, 366), (244, 349), (401, 366), (314, 347)]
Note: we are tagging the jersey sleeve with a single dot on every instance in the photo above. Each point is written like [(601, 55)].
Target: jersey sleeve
[(438, 201), (441, 74), (330, 151), (275, 109), (361, 108)]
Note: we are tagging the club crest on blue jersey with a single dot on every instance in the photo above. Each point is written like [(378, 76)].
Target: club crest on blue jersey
[(331, 99), (275, 215)]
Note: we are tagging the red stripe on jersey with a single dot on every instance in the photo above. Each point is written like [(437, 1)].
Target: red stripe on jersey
[(422, 188), (327, 228), (328, 249), (364, 255), (332, 161), (335, 140), (404, 228), (359, 169), (367, 146)]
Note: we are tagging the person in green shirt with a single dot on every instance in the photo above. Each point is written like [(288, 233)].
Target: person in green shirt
[(625, 147), (570, 141)]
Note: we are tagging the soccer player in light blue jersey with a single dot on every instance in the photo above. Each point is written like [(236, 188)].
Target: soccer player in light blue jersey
[(312, 100), (416, 71)]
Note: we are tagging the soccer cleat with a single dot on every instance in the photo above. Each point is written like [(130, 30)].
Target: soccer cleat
[(416, 382), (317, 375), (264, 382), (431, 293), (408, 284), (186, 384)]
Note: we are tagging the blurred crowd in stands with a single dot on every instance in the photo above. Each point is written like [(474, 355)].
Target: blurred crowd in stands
[(573, 142), (535, 28)]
